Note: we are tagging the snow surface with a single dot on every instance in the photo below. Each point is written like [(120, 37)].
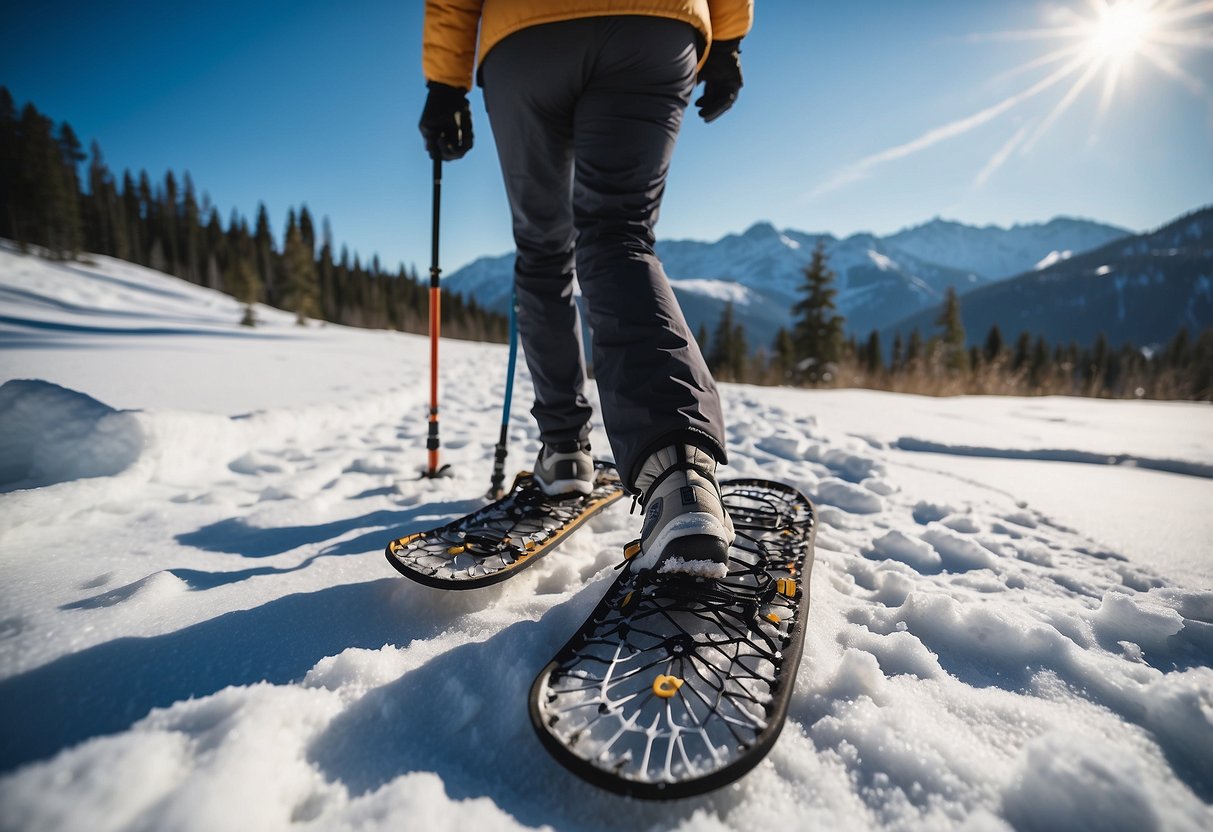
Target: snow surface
[(1011, 620)]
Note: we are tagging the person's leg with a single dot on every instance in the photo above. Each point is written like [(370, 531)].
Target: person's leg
[(653, 383), (530, 90)]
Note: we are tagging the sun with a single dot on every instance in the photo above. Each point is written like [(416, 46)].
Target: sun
[(1091, 43), (1121, 30)]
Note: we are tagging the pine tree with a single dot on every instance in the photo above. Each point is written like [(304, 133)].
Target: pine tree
[(994, 345), (134, 221), (8, 164), (818, 331), (190, 234), (1023, 352), (263, 241), (702, 338), (70, 222), (784, 355), (301, 289), (1038, 369), (216, 250), (149, 210), (729, 349), (241, 275), (953, 339), (914, 351), (327, 276), (874, 359), (99, 227), (168, 223)]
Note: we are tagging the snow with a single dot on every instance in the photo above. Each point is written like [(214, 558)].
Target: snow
[(724, 291), (1011, 621), (1052, 258)]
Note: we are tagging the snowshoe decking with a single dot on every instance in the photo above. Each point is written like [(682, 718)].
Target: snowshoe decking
[(502, 538), (677, 685)]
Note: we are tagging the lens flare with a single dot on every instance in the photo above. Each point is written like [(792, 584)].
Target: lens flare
[(1121, 30)]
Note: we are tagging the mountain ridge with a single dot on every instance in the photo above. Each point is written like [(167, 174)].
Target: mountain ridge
[(1140, 289), (879, 278)]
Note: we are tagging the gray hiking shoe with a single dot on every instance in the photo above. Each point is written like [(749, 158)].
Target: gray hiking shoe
[(565, 469), (686, 528)]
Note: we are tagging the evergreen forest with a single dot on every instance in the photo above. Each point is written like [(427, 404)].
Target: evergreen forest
[(55, 196)]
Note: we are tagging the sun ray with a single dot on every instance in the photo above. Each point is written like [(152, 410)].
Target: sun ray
[(859, 170), (1201, 38), (1000, 156), (1109, 88), (1164, 63), (1062, 106), (1187, 12), (1027, 34), (1044, 60)]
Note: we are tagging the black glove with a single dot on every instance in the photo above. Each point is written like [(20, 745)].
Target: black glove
[(446, 122), (721, 76)]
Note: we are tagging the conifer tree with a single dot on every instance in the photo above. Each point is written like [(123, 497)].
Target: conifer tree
[(99, 227), (874, 359), (1038, 369), (149, 211), (783, 355), (307, 230), (168, 223), (818, 331), (241, 275), (994, 345), (1023, 352), (134, 222), (914, 351), (8, 164), (263, 241), (326, 274), (68, 207), (729, 350), (191, 230), (702, 338), (953, 338), (299, 273), (216, 250)]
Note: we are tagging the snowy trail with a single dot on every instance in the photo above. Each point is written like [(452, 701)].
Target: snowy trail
[(204, 634)]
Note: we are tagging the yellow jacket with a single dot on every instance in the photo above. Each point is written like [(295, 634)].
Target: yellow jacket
[(449, 53)]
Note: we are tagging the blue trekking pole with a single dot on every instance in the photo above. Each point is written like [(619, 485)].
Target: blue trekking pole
[(498, 481)]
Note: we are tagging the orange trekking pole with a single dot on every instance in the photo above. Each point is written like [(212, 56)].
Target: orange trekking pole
[(431, 443)]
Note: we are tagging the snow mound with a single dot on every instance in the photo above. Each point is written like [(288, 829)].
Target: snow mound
[(957, 552), (899, 546), (848, 497), (49, 434), (1065, 781)]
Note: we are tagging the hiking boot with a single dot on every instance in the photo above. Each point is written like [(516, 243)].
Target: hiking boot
[(686, 528), (565, 469)]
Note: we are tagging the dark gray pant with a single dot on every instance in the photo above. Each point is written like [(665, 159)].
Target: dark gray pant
[(585, 114)]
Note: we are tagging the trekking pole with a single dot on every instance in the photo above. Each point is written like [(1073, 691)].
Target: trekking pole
[(496, 489), (431, 442)]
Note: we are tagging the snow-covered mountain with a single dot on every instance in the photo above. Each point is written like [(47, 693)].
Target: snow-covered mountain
[(198, 630), (1141, 289), (879, 279), (998, 252)]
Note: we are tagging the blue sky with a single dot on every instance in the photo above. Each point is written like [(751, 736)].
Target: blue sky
[(317, 103)]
